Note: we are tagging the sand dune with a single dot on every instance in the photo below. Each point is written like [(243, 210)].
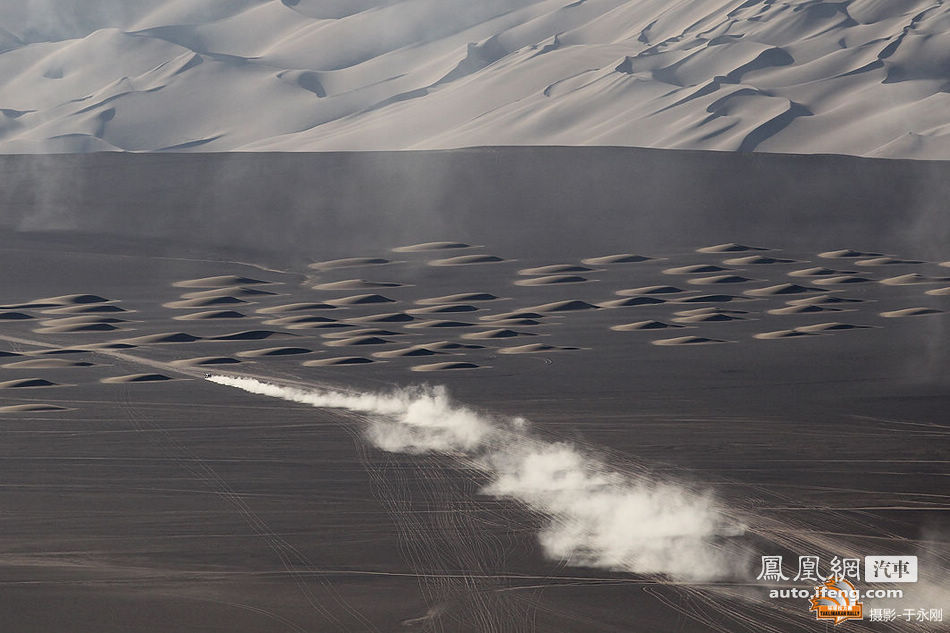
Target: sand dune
[(386, 317), (400, 74), (233, 291), (446, 309), (211, 314), (803, 309), (782, 334), (886, 261), (76, 328), (412, 351), (549, 280), (357, 340), (494, 334), (94, 308), (939, 292), (295, 307), (466, 260), (300, 319), (719, 279), (249, 335), (349, 262), (831, 327), (710, 299), (534, 348), (756, 260), (431, 246), (688, 340), (648, 290), (568, 305), (461, 297), (6, 354), (517, 322), (847, 253), (823, 299), (451, 345), (730, 247), (912, 279), (356, 300), (165, 337), (643, 325), (58, 301), (46, 363), (14, 316), (202, 361), (708, 310), (694, 269), (630, 302), (338, 360), (555, 269), (33, 407), (219, 281), (371, 331), (273, 351), (620, 258), (356, 284), (817, 271), (910, 312), (781, 289), (81, 320), (514, 314), (440, 323), (27, 383), (449, 366), (203, 303), (135, 378), (707, 318), (840, 280)]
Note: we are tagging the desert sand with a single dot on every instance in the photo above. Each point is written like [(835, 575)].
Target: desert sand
[(464, 451), (860, 77)]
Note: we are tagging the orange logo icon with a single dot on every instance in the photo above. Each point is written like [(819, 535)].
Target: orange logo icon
[(837, 600)]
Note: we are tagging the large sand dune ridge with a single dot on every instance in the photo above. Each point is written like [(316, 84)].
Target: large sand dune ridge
[(862, 77)]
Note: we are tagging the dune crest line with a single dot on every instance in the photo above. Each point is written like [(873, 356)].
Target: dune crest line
[(597, 517)]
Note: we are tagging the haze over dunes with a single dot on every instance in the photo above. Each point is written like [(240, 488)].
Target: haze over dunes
[(863, 77)]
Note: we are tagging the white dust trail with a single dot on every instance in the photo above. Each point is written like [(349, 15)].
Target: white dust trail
[(596, 516)]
